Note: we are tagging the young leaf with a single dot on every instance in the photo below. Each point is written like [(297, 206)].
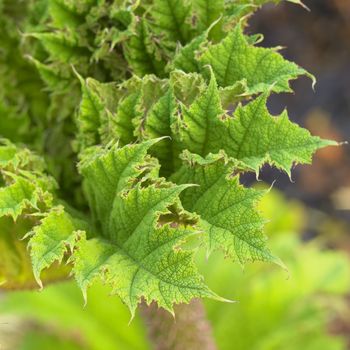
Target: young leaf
[(90, 111), (16, 197), (201, 129), (234, 59), (255, 137), (186, 86), (141, 52), (185, 59), (128, 110), (252, 135), (50, 240), (206, 13), (63, 47), (158, 124)]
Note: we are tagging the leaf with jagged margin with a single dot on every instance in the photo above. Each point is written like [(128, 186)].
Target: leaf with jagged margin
[(89, 113), (28, 195), (24, 182), (95, 117), (255, 137), (128, 110), (11, 156), (108, 171), (232, 94), (142, 53), (159, 123), (19, 162), (206, 13), (63, 47), (186, 86), (17, 197), (252, 135), (185, 58), (16, 271), (233, 60), (171, 19), (201, 121), (110, 111), (50, 240), (231, 222), (8, 154), (239, 12), (152, 89), (235, 10), (142, 259)]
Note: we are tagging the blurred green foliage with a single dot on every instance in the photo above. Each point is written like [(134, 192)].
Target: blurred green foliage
[(61, 319)]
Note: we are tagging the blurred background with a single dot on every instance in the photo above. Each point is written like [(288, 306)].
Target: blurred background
[(306, 308)]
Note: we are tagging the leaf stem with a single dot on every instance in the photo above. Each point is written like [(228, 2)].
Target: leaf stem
[(190, 329)]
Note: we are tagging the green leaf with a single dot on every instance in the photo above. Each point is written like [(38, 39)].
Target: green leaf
[(151, 90), (142, 227), (27, 197), (51, 76), (109, 171), (186, 86), (16, 270), (15, 265), (185, 59), (9, 154), (128, 110), (233, 60), (63, 47), (90, 111), (18, 196), (159, 123), (255, 137), (201, 121), (252, 135), (227, 210), (142, 53), (157, 272), (171, 19), (64, 14), (206, 13), (50, 240), (141, 259), (104, 113)]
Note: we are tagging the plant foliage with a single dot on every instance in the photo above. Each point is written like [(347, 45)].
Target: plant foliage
[(163, 105)]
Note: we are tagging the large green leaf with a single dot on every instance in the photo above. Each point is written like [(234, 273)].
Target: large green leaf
[(142, 228), (227, 210)]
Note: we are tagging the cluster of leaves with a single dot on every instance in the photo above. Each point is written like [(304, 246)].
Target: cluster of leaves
[(161, 149)]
